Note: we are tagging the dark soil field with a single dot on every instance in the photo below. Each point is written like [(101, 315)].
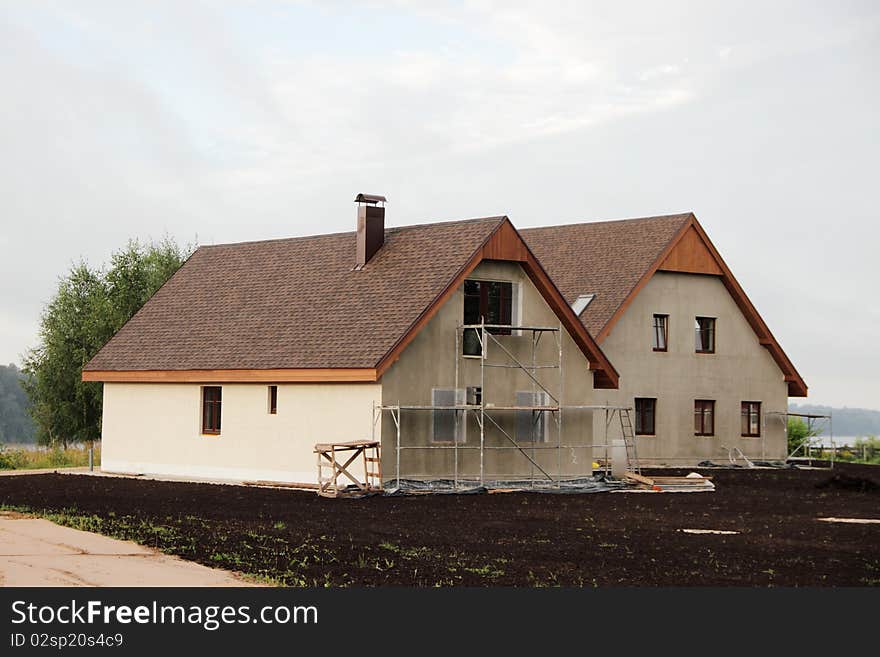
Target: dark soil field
[(510, 539)]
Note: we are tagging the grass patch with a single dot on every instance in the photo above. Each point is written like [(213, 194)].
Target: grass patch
[(46, 457)]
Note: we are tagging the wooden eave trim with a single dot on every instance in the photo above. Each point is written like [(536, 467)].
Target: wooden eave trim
[(505, 243), (605, 375), (304, 375), (796, 385)]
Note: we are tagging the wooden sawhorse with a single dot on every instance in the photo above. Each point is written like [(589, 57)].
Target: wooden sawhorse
[(329, 486)]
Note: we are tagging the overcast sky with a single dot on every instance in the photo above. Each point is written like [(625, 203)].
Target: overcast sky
[(238, 121)]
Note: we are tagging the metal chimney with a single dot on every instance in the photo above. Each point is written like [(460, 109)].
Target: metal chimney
[(370, 227)]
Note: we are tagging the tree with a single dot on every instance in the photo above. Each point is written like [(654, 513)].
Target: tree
[(15, 423), (87, 309), (798, 432)]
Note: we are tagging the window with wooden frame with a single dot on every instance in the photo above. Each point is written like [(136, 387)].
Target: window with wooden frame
[(273, 400), (704, 335), (490, 302), (661, 332), (646, 411), (211, 398), (704, 417), (751, 419)]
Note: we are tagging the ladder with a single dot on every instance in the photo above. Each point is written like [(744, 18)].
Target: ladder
[(629, 439)]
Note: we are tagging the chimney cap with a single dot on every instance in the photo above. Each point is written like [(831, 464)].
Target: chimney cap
[(371, 199)]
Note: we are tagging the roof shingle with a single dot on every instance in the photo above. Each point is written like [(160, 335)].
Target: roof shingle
[(293, 303), (603, 258)]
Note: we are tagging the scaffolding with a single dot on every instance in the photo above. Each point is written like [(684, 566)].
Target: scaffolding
[(487, 415), (809, 442)]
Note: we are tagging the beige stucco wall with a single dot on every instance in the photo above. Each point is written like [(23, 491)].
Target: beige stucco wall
[(429, 362), (739, 370), (155, 429)]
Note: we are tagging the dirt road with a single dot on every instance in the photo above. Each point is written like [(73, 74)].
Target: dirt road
[(35, 552)]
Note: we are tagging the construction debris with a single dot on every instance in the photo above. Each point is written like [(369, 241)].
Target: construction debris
[(692, 483)]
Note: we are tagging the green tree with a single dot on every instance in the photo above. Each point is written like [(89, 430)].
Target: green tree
[(87, 309), (15, 422), (798, 432)]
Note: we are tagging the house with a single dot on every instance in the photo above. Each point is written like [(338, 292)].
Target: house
[(704, 374), (447, 342)]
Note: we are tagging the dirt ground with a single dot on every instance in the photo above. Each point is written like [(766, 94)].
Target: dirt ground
[(521, 539)]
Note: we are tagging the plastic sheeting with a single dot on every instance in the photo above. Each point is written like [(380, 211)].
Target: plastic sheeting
[(447, 486), (737, 466)]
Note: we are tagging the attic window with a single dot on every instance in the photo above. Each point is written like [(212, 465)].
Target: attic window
[(490, 302), (580, 304)]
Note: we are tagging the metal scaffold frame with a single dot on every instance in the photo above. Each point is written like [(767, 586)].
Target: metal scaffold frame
[(807, 443), (485, 414)]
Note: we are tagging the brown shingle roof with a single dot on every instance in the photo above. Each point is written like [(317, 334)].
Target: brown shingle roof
[(604, 258), (293, 303)]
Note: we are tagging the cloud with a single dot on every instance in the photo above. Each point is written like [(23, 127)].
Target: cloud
[(249, 120)]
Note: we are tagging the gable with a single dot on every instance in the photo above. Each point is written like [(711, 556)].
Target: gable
[(616, 259), (506, 244), (690, 255)]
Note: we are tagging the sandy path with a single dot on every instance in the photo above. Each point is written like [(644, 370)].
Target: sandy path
[(36, 552)]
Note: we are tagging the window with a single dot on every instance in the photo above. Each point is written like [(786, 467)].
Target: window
[(660, 332), (705, 335), (646, 410), (751, 419), (211, 409), (447, 424), (531, 424), (486, 301), (273, 400), (704, 417)]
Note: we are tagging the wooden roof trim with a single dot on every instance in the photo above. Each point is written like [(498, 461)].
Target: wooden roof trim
[(310, 375), (604, 374), (505, 243), (796, 385)]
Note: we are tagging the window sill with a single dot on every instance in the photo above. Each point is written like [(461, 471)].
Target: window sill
[(646, 435), (704, 435), (659, 351), (474, 356), (211, 434), (704, 352)]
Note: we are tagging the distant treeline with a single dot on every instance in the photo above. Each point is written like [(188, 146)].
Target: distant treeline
[(16, 425), (847, 421)]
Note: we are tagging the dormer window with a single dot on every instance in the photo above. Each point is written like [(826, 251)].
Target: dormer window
[(580, 304)]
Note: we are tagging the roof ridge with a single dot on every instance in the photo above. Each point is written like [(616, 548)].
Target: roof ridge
[(682, 215), (391, 229)]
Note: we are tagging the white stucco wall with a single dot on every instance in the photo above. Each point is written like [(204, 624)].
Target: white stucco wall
[(156, 429), (739, 370)]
